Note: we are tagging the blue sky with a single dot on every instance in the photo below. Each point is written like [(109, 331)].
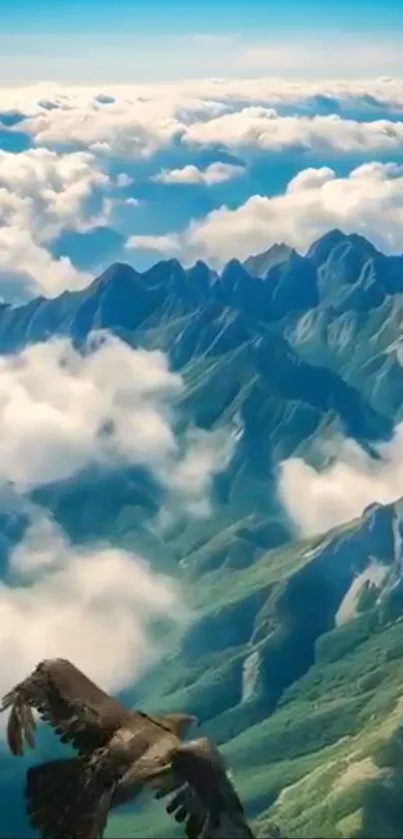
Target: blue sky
[(181, 16), (96, 41)]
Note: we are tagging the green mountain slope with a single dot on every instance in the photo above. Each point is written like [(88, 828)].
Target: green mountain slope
[(306, 703), (293, 660)]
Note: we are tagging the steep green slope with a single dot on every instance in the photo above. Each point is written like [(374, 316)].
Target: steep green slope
[(339, 761), (304, 699)]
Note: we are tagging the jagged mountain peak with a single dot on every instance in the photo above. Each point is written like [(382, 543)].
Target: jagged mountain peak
[(322, 247), (168, 265), (259, 265), (201, 265), (361, 242), (118, 271), (344, 270), (280, 256), (234, 265)]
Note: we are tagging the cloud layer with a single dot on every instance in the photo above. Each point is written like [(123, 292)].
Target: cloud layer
[(60, 411), (272, 160), (136, 121), (96, 607), (317, 501), (263, 128), (41, 194), (368, 201)]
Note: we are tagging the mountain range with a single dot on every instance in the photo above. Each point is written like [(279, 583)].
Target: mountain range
[(294, 659)]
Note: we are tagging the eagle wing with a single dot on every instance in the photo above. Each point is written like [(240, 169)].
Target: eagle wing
[(81, 713), (204, 797), (57, 803), (187, 809)]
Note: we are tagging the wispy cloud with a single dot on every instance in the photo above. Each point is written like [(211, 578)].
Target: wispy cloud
[(319, 500), (94, 606), (368, 201), (42, 193), (216, 173), (98, 605), (61, 411)]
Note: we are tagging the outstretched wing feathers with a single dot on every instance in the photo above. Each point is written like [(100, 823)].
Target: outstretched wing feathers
[(57, 804), (204, 798), (80, 712), (185, 807)]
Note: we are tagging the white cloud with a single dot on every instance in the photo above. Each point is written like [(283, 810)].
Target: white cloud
[(205, 454), (60, 411), (41, 194), (26, 267), (368, 201), (48, 191), (136, 120), (216, 173), (133, 202), (205, 95), (169, 245), (264, 128), (124, 128), (95, 607), (123, 179), (44, 191), (317, 501)]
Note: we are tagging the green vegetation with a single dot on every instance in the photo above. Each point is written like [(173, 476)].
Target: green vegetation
[(311, 751), (307, 711)]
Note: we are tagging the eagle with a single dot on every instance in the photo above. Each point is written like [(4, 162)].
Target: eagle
[(119, 753)]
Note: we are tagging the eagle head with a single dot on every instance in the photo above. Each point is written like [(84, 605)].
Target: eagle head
[(181, 723)]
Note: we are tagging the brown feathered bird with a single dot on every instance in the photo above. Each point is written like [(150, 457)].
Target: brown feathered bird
[(119, 754)]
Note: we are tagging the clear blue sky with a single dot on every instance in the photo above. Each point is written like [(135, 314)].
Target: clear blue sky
[(183, 16), (58, 39)]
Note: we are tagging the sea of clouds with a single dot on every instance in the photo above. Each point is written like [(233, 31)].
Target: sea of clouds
[(211, 169)]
